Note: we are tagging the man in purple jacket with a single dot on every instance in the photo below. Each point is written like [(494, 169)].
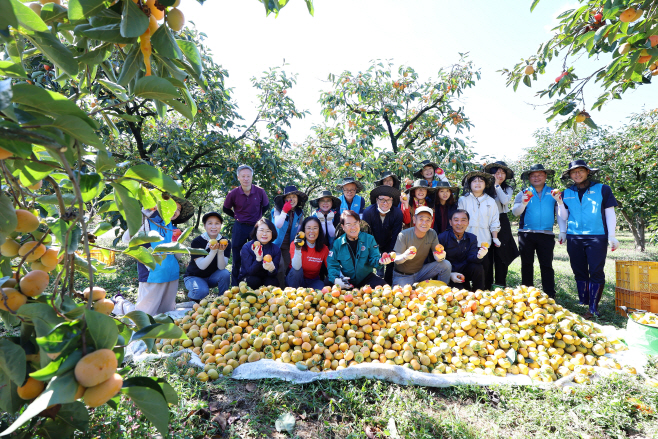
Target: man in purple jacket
[(246, 203)]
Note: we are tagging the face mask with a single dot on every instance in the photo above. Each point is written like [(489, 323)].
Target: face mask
[(383, 212)]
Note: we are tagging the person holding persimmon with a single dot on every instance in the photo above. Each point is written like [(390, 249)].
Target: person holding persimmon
[(260, 256)]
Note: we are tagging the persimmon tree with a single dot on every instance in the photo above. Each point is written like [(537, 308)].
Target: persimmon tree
[(63, 352), (628, 163), (389, 119), (621, 39)]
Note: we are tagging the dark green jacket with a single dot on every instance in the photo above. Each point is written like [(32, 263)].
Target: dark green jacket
[(340, 258)]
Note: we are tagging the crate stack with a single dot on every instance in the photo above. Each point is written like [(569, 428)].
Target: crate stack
[(637, 286)]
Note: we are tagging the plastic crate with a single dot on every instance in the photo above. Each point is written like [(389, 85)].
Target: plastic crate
[(637, 286), (106, 257)]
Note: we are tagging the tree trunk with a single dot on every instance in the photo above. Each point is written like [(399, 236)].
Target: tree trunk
[(198, 218), (637, 226)]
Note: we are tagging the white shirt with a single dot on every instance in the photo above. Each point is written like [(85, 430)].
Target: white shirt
[(483, 213), (503, 198)]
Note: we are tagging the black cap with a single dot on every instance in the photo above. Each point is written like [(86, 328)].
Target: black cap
[(209, 214)]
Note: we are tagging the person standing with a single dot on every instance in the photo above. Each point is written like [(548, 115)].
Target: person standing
[(463, 253), (430, 172), (418, 195), (350, 200), (589, 208), (504, 254), (413, 248), (385, 220), (484, 219), (287, 215), (246, 203), (388, 178), (445, 203), (326, 210), (537, 210)]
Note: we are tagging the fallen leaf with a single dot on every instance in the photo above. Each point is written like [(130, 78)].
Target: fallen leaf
[(232, 419), (251, 387), (285, 422), (370, 432), (214, 406), (221, 419)]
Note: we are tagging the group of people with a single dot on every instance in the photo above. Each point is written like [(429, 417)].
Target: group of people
[(406, 235)]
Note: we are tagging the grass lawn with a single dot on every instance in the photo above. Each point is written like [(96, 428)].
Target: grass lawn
[(228, 408)]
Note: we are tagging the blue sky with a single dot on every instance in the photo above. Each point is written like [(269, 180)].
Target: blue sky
[(424, 34)]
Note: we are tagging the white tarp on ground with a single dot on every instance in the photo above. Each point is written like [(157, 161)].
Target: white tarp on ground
[(136, 351)]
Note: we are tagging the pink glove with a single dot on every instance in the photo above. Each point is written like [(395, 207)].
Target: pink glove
[(287, 207), (439, 172), (527, 195)]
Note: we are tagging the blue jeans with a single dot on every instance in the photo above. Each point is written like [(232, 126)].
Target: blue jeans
[(429, 271), (199, 287), (296, 279), (239, 237)]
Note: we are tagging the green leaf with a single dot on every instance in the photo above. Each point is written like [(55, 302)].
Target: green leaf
[(116, 89), (53, 12), (55, 51), (12, 70), (96, 56), (68, 199), (181, 108), (131, 66), (192, 55), (12, 361), (144, 238), (8, 221), (60, 337), (10, 402), (164, 43), (60, 390), (156, 177), (160, 330), (177, 247), (58, 367), (109, 32), (527, 80), (90, 186), (77, 128), (185, 234), (81, 9), (590, 123), (129, 208), (42, 315), (47, 101), (134, 22), (31, 172), (145, 197), (75, 415), (27, 18), (309, 6), (102, 228), (7, 16), (153, 87), (142, 255), (104, 162), (102, 328), (140, 319), (167, 208), (153, 405)]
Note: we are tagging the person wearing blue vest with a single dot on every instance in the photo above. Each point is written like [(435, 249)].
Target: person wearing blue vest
[(287, 215), (537, 209), (350, 200), (158, 286), (589, 208)]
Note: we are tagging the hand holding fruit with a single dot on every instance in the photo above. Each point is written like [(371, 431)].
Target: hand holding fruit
[(457, 278), (287, 207), (213, 245), (385, 259), (176, 234), (342, 282), (439, 253), (439, 172), (258, 250), (299, 240), (269, 265), (405, 200), (614, 244), (526, 196), (223, 243), (557, 195), (410, 253), (482, 252), (562, 237)]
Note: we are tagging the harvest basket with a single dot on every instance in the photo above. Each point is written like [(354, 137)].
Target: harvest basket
[(642, 337), (104, 256), (637, 286)]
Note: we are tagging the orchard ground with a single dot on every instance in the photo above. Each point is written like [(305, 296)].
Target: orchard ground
[(620, 407)]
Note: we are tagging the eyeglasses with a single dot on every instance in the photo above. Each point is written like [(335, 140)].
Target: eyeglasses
[(385, 200), (350, 225), (349, 191)]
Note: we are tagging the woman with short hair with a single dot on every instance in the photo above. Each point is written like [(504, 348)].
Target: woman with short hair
[(260, 256), (287, 214)]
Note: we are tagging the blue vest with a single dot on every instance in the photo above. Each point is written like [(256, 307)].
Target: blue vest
[(168, 270), (585, 217), (281, 233), (539, 214), (356, 204)]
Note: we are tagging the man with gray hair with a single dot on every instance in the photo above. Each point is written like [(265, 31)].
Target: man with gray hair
[(246, 203)]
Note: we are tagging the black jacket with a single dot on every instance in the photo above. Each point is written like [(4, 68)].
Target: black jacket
[(385, 233), (460, 253)]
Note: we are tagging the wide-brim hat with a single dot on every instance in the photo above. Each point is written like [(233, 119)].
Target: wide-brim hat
[(509, 174), (421, 184), (186, 210), (535, 168), (347, 180), (488, 178), (578, 164), (396, 180), (419, 173), (386, 191), (445, 185), (325, 194), (302, 198)]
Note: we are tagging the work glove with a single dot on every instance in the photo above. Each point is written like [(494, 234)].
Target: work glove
[(409, 254), (440, 256), (439, 172), (287, 207), (457, 278), (482, 252), (496, 242), (562, 237), (526, 197), (557, 195), (385, 260), (258, 251), (269, 266), (614, 243), (299, 242), (343, 282), (330, 216)]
